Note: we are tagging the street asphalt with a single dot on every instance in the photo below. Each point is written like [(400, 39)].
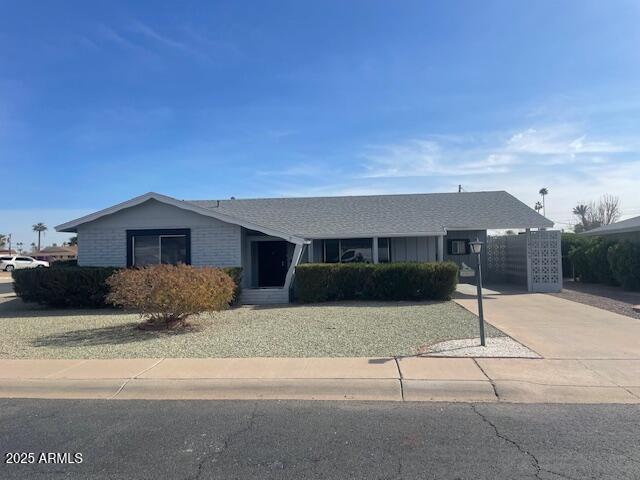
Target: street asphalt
[(330, 440)]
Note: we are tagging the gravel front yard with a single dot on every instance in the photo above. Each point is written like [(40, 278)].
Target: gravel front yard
[(347, 329), (613, 299)]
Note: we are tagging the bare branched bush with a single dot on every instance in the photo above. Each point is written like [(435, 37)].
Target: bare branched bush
[(166, 295)]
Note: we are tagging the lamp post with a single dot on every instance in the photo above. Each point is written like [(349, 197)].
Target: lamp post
[(476, 247)]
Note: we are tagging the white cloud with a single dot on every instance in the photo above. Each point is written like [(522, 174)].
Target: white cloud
[(574, 165), (559, 140)]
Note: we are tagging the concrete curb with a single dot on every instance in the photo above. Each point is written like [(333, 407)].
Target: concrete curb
[(204, 389), (372, 379)]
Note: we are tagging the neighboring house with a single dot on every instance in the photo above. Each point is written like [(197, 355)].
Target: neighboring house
[(624, 230), (55, 253), (269, 237), (7, 252)]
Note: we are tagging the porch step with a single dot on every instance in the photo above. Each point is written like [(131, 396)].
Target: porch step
[(264, 296)]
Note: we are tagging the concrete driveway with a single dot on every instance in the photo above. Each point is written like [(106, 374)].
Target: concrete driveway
[(557, 328)]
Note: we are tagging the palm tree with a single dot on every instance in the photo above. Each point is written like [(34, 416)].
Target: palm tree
[(40, 228), (19, 245), (538, 207), (3, 240), (543, 191), (581, 210), (33, 247)]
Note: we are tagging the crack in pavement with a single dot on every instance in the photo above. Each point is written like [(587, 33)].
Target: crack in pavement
[(226, 443), (493, 385), (532, 458)]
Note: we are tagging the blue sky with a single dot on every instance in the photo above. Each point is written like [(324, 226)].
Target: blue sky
[(103, 101)]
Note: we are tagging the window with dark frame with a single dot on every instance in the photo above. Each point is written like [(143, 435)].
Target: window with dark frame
[(384, 250), (348, 250), (458, 247), (154, 247)]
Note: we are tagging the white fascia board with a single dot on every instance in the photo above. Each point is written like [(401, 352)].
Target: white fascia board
[(72, 225)]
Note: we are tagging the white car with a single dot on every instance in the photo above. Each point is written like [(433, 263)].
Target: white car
[(9, 264)]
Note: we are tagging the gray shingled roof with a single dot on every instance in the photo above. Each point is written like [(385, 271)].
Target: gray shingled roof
[(624, 226), (412, 214)]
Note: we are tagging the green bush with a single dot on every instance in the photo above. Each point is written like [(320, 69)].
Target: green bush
[(63, 287), (236, 275), (78, 287), (569, 242), (64, 263), (590, 261), (624, 260), (385, 281)]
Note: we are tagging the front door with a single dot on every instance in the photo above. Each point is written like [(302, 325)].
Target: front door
[(272, 263)]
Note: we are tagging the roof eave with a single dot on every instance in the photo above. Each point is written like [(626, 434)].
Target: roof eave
[(72, 226)]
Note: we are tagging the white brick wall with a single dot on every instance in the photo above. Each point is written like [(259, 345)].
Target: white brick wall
[(104, 241)]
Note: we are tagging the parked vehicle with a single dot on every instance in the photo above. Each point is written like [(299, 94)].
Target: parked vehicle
[(9, 264)]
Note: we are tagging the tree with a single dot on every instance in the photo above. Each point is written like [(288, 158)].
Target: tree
[(544, 192), (538, 207), (608, 209), (19, 245), (592, 215), (40, 228), (581, 211), (73, 240), (3, 240), (33, 247)]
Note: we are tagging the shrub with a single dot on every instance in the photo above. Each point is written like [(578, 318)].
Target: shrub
[(569, 242), (236, 275), (63, 287), (385, 281), (165, 295), (624, 260), (64, 263), (590, 261)]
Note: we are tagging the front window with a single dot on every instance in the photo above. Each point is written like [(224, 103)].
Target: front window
[(350, 250), (153, 247), (384, 250), (458, 247)]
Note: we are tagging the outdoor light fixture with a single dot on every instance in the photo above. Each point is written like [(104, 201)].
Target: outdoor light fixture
[(476, 247)]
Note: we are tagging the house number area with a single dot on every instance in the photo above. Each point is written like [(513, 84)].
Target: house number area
[(43, 457)]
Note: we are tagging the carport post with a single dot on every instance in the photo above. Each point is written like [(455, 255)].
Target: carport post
[(476, 247)]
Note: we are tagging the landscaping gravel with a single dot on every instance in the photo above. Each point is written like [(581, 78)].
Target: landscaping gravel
[(346, 329), (470, 347), (613, 299)]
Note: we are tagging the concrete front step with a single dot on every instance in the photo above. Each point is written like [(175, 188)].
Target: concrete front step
[(264, 296)]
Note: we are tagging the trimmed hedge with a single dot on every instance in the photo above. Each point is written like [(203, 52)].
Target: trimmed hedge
[(385, 281), (63, 287), (78, 287), (236, 275), (64, 263)]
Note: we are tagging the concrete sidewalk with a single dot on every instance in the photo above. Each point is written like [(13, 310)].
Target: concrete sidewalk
[(380, 379)]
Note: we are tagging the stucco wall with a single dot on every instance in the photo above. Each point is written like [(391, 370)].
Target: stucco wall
[(103, 242)]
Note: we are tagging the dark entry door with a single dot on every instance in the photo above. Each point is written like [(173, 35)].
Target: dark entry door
[(272, 263)]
